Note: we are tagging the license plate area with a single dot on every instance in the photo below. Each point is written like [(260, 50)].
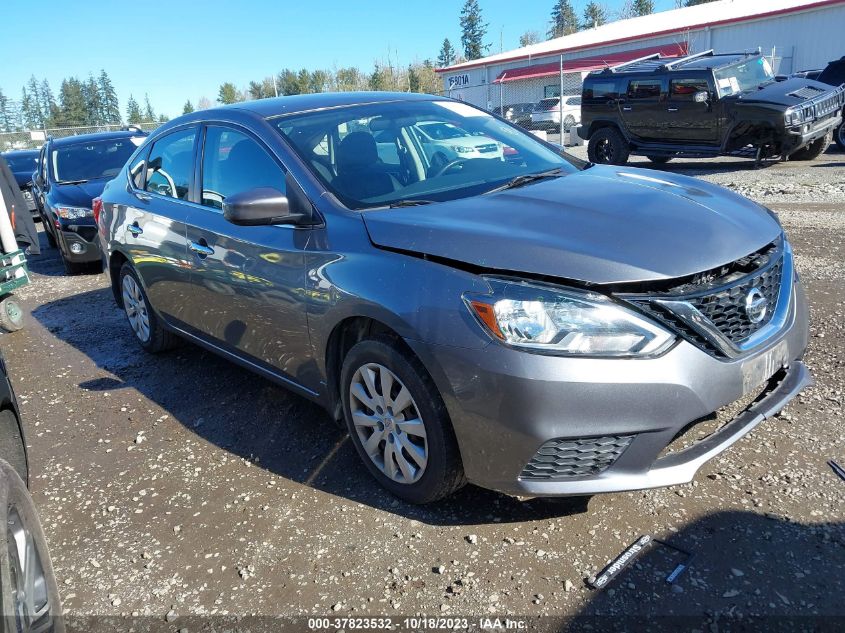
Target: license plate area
[(758, 370)]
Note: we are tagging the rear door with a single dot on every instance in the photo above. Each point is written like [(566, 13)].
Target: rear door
[(153, 227), (643, 108), (687, 120), (247, 281)]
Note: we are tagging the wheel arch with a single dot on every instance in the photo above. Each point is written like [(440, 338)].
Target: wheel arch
[(116, 261)]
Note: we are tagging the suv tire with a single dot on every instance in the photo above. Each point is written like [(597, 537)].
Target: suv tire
[(608, 147), (368, 368), (148, 330), (813, 150), (659, 160), (839, 136)]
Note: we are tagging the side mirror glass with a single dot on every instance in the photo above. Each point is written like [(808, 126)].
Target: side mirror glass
[(261, 206), (701, 96)]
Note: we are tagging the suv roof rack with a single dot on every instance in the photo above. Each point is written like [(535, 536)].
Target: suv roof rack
[(646, 58), (683, 60)]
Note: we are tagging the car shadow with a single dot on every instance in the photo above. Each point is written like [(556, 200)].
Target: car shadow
[(254, 418), (749, 571)]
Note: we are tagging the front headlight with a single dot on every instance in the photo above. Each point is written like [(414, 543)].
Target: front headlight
[(74, 213), (463, 149), (566, 322), (794, 117)]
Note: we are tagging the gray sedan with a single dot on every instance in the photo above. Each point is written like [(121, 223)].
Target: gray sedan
[(538, 325)]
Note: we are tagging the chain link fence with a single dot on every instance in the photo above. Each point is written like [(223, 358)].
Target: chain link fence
[(33, 139), (531, 100)]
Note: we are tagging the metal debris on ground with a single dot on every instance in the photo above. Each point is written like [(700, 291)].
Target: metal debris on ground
[(631, 553)]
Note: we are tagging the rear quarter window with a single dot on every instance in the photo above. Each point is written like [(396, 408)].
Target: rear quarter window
[(600, 90)]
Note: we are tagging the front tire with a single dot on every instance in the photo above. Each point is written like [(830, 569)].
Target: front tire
[(839, 136), (813, 150), (29, 592), (607, 146), (398, 422), (148, 330)]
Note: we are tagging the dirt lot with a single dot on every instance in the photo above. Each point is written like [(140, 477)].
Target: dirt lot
[(181, 484)]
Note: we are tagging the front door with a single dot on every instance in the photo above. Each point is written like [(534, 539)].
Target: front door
[(247, 281), (643, 108), (686, 119)]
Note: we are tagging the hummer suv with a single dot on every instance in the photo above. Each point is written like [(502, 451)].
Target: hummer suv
[(703, 105)]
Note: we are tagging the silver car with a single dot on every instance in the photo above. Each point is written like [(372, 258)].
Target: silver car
[(538, 326)]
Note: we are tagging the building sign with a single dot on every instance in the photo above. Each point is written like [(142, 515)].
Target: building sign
[(458, 81)]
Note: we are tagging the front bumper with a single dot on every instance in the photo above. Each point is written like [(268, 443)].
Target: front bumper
[(79, 243), (802, 135), (506, 404)]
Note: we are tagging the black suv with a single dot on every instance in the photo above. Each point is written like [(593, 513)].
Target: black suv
[(833, 74), (71, 172), (23, 162), (703, 105)]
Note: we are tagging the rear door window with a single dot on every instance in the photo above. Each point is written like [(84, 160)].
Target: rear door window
[(234, 162), (171, 164), (685, 89), (645, 89)]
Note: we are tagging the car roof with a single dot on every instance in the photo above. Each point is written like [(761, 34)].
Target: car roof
[(97, 136), (278, 106)]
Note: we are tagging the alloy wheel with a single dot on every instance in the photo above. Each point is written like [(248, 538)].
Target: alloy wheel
[(136, 308), (604, 151), (28, 582), (388, 423)]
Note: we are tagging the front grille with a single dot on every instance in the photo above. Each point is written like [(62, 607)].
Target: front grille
[(484, 149), (726, 309), (565, 458)]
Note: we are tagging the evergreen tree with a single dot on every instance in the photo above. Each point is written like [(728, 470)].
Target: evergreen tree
[(149, 113), (319, 81), (594, 15), (163, 118), (473, 30), (72, 106), (564, 20), (108, 99), (36, 116), (379, 79), (447, 54), (27, 116), (692, 3), (228, 93), (6, 113), (93, 102), (188, 107), (643, 7), (49, 107), (133, 111)]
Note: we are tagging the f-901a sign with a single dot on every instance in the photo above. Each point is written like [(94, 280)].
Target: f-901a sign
[(458, 81)]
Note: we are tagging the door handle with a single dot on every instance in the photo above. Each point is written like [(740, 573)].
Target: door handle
[(201, 249), (145, 197), (672, 109), (627, 109), (134, 229)]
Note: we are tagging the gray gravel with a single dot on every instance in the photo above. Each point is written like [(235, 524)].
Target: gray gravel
[(182, 485)]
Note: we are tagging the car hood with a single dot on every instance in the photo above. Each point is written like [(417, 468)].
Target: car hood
[(77, 195), (602, 225), (782, 92)]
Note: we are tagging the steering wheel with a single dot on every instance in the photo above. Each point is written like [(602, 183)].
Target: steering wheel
[(450, 165)]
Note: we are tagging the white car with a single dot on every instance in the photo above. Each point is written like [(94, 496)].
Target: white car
[(444, 142), (547, 113)]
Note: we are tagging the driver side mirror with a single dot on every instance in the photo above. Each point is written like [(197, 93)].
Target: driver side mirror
[(701, 96), (263, 206)]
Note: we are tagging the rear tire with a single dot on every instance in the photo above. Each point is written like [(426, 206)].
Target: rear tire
[(437, 471), (29, 592), (11, 314), (659, 160), (839, 136), (608, 147), (813, 150), (144, 323)]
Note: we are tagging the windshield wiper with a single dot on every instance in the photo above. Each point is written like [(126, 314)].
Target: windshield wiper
[(409, 203), (73, 182), (527, 179)]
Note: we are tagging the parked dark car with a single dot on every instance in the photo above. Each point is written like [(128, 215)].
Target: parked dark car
[(705, 105), (30, 596), (23, 163), (540, 326), (518, 113), (834, 75), (72, 172)]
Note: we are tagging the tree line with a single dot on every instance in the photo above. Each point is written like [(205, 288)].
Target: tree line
[(88, 102)]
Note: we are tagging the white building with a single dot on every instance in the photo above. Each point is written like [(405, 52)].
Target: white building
[(794, 34)]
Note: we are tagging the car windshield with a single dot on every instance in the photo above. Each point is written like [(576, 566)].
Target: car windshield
[(22, 162), (382, 154), (93, 159), (748, 75)]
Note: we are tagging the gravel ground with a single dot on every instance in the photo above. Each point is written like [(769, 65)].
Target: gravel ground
[(181, 485)]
